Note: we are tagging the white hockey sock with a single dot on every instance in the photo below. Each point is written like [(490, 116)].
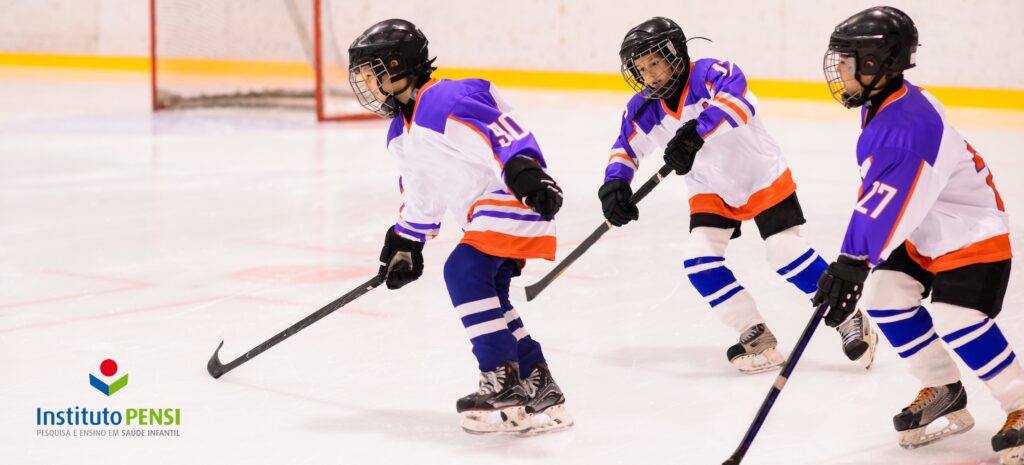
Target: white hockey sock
[(705, 267), (981, 345), (893, 300), (793, 259)]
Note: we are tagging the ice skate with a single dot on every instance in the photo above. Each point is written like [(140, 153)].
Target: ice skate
[(859, 339), (546, 408), (756, 352), (499, 405), (1009, 441), (932, 403)]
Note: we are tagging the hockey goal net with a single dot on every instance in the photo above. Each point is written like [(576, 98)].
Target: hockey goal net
[(252, 53)]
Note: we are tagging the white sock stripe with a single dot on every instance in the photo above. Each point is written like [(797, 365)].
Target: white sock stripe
[(520, 333), (915, 342), (703, 267), (725, 290), (966, 338), (995, 362), (511, 315), (895, 318), (477, 306), (803, 266), (487, 327)]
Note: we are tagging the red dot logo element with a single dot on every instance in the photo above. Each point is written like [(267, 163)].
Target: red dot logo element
[(108, 367)]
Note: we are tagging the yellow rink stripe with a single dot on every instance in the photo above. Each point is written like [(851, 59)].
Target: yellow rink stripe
[(1009, 99)]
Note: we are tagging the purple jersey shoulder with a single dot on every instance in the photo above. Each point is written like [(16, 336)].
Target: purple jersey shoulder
[(440, 100), (909, 123)]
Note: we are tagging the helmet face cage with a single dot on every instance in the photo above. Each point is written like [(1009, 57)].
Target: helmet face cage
[(836, 64), (669, 80), (369, 89)]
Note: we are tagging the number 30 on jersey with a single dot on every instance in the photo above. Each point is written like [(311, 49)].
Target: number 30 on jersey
[(507, 130)]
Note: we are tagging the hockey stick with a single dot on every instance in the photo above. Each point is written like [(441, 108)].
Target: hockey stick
[(530, 292), (217, 369), (780, 382)]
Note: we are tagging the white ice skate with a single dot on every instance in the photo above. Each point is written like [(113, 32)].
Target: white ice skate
[(498, 406), (546, 409), (933, 403), (859, 339), (756, 351)]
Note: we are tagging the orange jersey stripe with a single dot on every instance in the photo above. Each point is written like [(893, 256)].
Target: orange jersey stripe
[(741, 113), (495, 202), (782, 187), (482, 136), (720, 123), (991, 250), (624, 157), (903, 209), (507, 245), (416, 104)]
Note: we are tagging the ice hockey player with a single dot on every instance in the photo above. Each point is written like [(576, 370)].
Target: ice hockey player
[(702, 116), (460, 148), (928, 220)]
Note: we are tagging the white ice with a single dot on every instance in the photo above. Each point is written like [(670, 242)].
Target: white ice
[(150, 238)]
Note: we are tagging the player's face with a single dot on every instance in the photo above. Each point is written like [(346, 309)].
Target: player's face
[(380, 88), (654, 69), (847, 67)]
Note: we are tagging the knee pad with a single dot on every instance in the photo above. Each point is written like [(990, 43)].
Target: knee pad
[(781, 248), (891, 290), (708, 242), (793, 259)]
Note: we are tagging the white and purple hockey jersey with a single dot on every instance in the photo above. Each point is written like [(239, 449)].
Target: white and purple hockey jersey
[(739, 172), (925, 186), (451, 157)]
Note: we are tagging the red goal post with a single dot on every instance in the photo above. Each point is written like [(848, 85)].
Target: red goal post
[(285, 54)]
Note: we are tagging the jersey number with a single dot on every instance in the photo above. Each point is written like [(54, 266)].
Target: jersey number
[(507, 130), (878, 188)]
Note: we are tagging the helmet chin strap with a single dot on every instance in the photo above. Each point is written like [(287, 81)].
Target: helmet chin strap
[(868, 89)]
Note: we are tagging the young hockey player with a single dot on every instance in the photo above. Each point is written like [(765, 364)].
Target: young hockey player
[(702, 116), (460, 149), (928, 220)]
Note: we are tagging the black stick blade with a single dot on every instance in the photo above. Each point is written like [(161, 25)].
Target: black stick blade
[(214, 366)]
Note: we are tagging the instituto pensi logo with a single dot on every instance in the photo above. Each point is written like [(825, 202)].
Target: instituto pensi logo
[(108, 368), (104, 420)]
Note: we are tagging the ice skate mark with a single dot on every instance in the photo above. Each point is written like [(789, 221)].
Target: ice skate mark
[(354, 311), (126, 285), (301, 274), (988, 461), (199, 304), (313, 248)]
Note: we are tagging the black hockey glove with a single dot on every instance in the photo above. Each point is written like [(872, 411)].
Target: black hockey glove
[(683, 147), (617, 202), (533, 187), (840, 286), (401, 260)]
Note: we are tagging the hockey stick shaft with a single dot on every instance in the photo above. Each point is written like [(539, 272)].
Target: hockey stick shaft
[(535, 289), (217, 369), (776, 389)]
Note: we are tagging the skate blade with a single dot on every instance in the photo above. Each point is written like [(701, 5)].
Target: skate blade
[(556, 418), (960, 421), (1012, 456), (768, 360), (868, 357), (507, 420)]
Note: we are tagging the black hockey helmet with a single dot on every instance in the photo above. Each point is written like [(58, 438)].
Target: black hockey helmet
[(392, 49), (656, 35), (877, 42)]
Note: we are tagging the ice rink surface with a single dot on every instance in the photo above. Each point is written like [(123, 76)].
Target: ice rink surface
[(148, 239)]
